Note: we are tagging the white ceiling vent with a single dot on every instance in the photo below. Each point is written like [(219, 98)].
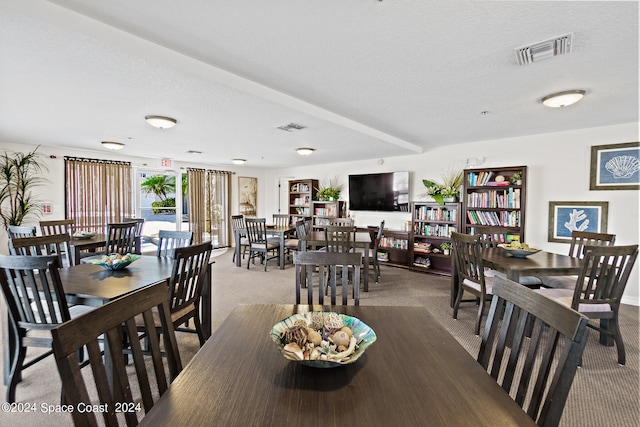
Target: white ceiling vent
[(544, 50), (291, 127)]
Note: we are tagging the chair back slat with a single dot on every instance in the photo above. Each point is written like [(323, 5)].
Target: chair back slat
[(169, 241), (282, 220), (115, 321), (187, 279), (55, 244), (21, 231), (328, 265), (121, 238), (343, 222), (537, 343), (468, 259)]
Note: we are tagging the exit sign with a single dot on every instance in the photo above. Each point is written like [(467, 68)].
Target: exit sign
[(165, 163)]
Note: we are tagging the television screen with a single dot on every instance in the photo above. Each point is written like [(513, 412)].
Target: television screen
[(379, 192)]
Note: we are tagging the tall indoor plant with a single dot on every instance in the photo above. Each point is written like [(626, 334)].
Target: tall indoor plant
[(449, 190), (20, 173)]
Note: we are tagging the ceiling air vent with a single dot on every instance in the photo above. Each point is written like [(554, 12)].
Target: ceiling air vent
[(544, 50), (291, 127)]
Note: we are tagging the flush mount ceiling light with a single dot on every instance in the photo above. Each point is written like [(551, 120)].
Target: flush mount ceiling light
[(563, 99), (238, 161), (113, 145), (305, 151), (161, 122)]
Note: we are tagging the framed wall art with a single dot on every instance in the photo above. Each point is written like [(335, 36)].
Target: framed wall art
[(615, 167), (247, 196), (564, 217)]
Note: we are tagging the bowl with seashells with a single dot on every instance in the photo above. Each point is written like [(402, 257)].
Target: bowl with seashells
[(322, 339), (115, 261), (518, 250)]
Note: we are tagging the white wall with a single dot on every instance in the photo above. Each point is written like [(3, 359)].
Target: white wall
[(558, 170)]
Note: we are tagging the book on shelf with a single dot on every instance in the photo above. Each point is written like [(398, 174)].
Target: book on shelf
[(429, 213), (480, 179)]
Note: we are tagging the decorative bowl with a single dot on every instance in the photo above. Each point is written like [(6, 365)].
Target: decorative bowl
[(111, 262), (82, 235), (519, 253), (364, 337)]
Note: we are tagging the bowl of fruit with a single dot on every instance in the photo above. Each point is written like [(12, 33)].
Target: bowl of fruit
[(518, 250), (115, 261)]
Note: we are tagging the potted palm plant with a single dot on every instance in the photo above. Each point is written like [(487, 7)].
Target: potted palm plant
[(448, 190), (20, 173)]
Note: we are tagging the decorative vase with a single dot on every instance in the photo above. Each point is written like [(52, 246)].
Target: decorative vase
[(452, 199)]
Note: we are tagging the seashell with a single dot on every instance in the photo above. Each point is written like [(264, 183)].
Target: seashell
[(317, 320), (623, 166), (333, 321)]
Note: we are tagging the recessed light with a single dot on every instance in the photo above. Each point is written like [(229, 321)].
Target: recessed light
[(238, 161), (305, 151), (563, 99), (111, 145), (161, 122)]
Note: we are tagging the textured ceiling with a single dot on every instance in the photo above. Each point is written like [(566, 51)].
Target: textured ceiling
[(368, 78)]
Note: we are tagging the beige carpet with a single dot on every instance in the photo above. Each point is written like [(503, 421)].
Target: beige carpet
[(603, 393)]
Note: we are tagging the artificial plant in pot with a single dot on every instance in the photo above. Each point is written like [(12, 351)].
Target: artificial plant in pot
[(330, 192), (20, 173), (448, 190)]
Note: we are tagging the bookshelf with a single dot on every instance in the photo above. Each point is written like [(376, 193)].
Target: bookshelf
[(394, 248), (431, 226), (323, 211), (301, 195), (495, 197)]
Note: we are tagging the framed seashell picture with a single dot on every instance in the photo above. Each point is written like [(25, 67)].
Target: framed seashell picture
[(615, 167), (565, 217)]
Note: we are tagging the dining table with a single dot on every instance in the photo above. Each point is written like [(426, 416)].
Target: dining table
[(414, 374), (316, 239), (541, 263), (279, 231)]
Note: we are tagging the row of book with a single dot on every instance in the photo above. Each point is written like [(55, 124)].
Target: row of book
[(435, 214), (301, 200), (478, 179), (436, 230), (504, 218), (509, 198), (392, 242), (329, 211)]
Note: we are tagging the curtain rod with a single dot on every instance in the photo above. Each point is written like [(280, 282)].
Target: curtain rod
[(110, 162)]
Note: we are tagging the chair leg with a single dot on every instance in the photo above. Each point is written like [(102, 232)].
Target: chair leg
[(479, 316), (198, 327), (617, 336), (456, 305), (15, 373)]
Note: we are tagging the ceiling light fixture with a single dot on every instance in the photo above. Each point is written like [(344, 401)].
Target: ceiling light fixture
[(161, 122), (305, 151), (238, 161), (111, 145), (563, 99)]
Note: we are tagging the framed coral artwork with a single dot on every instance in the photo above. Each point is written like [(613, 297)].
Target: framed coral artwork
[(564, 217), (615, 167)]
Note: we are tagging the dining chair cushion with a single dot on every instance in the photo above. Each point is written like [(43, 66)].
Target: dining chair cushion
[(269, 245), (74, 311), (488, 284), (292, 243), (559, 282), (523, 280), (565, 297)]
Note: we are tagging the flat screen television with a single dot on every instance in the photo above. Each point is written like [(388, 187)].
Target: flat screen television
[(379, 192)]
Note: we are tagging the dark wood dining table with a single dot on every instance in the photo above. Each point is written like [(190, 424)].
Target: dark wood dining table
[(415, 374), (280, 231), (363, 240), (538, 264)]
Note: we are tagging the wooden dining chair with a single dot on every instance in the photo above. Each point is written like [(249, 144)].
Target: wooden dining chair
[(343, 222), (469, 271), (240, 235), (338, 238), (579, 239), (373, 251), (599, 288), (122, 400), (532, 347), (169, 241), (121, 238), (36, 304), (138, 236), (55, 244), (260, 245), (21, 231), (325, 270), (57, 226), (189, 272)]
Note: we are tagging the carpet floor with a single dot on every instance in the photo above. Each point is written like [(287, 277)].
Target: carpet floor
[(603, 392)]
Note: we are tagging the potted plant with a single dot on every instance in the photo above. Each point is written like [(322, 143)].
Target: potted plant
[(516, 178), (330, 192), (449, 190), (446, 247), (20, 173)]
